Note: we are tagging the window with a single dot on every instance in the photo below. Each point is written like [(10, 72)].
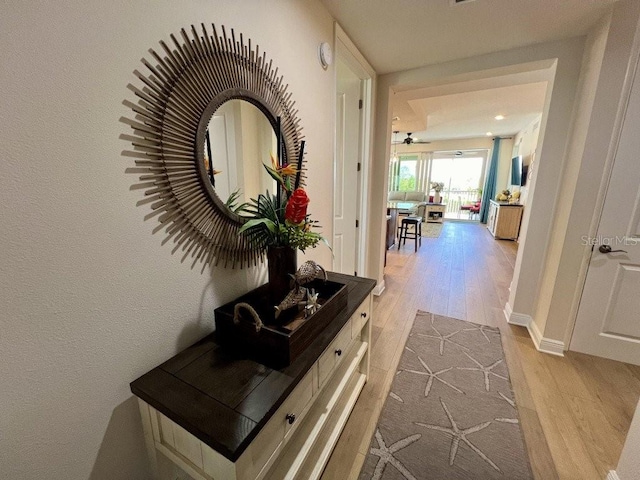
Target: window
[(404, 173), (462, 174), (407, 175)]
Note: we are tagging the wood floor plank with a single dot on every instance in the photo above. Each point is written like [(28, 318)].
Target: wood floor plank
[(355, 440), (618, 411), (567, 377), (541, 460), (567, 448), (574, 410), (593, 425), (521, 390), (391, 338)]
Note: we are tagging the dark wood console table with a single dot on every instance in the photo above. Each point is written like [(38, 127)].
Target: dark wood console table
[(219, 415)]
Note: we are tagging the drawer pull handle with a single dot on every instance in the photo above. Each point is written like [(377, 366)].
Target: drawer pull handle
[(363, 314), (339, 352), (290, 418)]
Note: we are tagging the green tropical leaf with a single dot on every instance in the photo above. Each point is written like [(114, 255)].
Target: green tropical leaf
[(231, 203), (254, 222)]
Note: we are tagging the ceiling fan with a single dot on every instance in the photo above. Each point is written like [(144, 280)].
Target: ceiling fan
[(410, 140)]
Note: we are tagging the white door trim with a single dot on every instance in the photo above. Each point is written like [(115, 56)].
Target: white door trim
[(349, 53)]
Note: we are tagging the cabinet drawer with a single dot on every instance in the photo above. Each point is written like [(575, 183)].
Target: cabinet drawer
[(334, 353), (360, 317), (279, 425)]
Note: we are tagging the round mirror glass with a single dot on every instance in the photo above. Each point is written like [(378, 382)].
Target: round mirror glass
[(238, 141)]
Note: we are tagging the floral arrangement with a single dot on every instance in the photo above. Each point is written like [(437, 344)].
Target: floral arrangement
[(504, 196), (437, 186), (281, 219)]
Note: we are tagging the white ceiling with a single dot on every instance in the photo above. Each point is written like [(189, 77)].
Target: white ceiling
[(471, 114), (403, 34)]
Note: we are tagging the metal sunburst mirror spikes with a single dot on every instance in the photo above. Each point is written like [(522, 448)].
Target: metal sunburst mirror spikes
[(174, 105)]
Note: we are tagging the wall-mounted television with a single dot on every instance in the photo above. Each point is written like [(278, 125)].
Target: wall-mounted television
[(516, 170)]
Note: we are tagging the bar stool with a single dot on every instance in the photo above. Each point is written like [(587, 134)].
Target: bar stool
[(415, 235)]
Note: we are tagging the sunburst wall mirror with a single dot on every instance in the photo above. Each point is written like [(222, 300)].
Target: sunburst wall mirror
[(209, 111)]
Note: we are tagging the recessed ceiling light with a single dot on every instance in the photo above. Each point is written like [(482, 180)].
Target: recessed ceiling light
[(489, 134), (499, 117)]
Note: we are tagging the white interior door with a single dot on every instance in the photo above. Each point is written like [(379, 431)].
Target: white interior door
[(346, 169), (608, 322)]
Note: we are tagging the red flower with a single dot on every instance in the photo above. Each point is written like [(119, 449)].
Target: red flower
[(296, 209)]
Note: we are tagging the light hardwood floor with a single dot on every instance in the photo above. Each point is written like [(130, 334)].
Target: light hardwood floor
[(575, 410)]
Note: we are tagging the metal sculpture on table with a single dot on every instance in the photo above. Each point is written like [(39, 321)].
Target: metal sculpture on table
[(299, 295)]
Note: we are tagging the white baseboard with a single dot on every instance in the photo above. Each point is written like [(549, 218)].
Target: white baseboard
[(545, 345), (542, 344), (552, 347), (514, 318), (612, 475), (536, 336), (379, 288)]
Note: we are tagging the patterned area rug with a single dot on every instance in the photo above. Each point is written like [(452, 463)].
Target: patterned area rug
[(451, 413), (431, 230)]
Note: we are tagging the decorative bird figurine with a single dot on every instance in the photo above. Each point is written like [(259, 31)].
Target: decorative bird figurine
[(295, 297), (309, 271)]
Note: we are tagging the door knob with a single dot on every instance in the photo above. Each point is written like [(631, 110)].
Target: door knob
[(607, 249)]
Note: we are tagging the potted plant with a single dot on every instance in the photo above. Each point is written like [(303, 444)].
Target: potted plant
[(279, 225), (437, 187)]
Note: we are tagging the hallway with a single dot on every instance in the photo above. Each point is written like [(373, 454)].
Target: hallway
[(575, 410)]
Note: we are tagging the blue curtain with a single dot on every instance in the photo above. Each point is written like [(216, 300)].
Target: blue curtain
[(489, 190)]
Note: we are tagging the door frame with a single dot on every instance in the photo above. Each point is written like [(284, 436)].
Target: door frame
[(347, 51)]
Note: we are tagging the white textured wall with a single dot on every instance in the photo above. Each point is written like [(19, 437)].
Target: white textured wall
[(503, 178), (556, 282), (583, 180), (89, 298)]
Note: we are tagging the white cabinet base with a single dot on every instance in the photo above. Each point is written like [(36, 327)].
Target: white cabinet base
[(322, 402), (504, 220)]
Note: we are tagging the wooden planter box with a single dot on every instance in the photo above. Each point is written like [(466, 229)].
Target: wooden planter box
[(281, 341)]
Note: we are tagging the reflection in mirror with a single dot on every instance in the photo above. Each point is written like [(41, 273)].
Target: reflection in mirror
[(238, 141)]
